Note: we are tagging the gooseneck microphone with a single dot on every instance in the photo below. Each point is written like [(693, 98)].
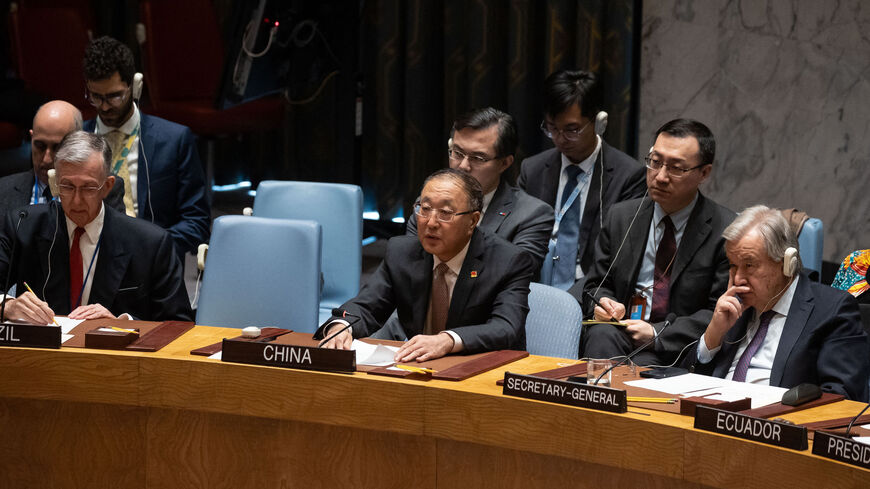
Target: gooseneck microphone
[(342, 314), (21, 215), (668, 321)]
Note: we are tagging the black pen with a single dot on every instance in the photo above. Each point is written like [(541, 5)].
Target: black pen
[(599, 305)]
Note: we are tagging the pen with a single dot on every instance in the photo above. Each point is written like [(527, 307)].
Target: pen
[(657, 400), (419, 370), (34, 293), (599, 305)]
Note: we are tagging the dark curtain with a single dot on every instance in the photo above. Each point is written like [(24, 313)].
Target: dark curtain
[(425, 62)]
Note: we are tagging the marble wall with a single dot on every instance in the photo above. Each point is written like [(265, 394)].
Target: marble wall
[(783, 85)]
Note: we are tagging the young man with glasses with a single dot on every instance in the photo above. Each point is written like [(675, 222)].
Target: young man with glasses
[(84, 259), (659, 255), (482, 144), (455, 287), (582, 177), (158, 159)]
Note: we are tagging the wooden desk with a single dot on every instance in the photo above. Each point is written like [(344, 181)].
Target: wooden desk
[(91, 418)]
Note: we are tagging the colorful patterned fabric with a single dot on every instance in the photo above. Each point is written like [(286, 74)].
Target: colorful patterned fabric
[(852, 275)]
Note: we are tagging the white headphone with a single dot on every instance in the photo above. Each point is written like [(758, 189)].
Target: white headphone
[(600, 123), (137, 86), (790, 262)]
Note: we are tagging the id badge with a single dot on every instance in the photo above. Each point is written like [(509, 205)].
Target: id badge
[(637, 310)]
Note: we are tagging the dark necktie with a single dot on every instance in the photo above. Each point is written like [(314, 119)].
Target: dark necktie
[(47, 194), (743, 364), (665, 255), (440, 302), (75, 269), (565, 268)]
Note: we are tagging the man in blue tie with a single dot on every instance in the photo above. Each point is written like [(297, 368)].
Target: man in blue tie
[(775, 326)]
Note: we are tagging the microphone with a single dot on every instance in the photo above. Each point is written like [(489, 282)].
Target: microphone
[(21, 215), (849, 428), (342, 314), (668, 321)]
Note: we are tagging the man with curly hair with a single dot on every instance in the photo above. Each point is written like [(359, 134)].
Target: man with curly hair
[(157, 159)]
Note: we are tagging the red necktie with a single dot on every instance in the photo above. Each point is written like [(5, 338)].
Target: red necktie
[(75, 269), (665, 254)]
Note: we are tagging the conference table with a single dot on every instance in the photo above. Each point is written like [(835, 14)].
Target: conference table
[(100, 418)]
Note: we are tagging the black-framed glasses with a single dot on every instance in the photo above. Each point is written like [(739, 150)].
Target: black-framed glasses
[(115, 99), (443, 215), (550, 130), (67, 190), (459, 155), (656, 164)]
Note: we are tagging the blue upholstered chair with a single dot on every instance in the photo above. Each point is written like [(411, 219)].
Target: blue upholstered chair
[(811, 240), (338, 209), (261, 272), (554, 322)]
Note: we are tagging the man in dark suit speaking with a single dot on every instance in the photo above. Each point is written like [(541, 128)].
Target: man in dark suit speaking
[(774, 326), (455, 287), (88, 260)]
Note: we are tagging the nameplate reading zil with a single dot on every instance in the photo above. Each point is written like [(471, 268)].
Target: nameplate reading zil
[(29, 335), (288, 356), (568, 393), (841, 449), (756, 429)]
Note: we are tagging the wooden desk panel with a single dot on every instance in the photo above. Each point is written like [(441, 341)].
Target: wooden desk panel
[(89, 418)]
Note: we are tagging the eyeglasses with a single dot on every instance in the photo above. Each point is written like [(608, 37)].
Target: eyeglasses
[(459, 155), (113, 99), (67, 190), (443, 215), (656, 164), (550, 131)]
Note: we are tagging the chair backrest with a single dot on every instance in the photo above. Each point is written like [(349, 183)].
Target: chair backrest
[(554, 322), (261, 272), (811, 240), (338, 209)]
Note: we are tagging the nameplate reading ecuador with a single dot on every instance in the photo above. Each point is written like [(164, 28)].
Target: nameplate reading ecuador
[(841, 449), (756, 429), (568, 393), (29, 335), (288, 356)]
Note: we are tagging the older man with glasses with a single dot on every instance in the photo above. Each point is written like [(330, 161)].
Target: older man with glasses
[(582, 177), (455, 287), (158, 159), (660, 255)]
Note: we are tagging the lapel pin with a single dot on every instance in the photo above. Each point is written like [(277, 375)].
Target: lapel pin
[(474, 274), (502, 213)]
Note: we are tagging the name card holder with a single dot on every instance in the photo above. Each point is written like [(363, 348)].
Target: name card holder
[(756, 429), (567, 393), (29, 335), (288, 356), (841, 449)]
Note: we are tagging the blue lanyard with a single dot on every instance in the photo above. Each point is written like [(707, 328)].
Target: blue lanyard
[(571, 198), (88, 274), (35, 191)]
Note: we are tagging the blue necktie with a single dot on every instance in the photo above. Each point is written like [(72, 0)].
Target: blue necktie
[(565, 268)]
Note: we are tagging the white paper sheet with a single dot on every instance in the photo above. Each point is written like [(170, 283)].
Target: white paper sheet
[(216, 356), (67, 324), (714, 388), (374, 355), (680, 384)]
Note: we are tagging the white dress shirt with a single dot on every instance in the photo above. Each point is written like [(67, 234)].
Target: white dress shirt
[(133, 156), (762, 362)]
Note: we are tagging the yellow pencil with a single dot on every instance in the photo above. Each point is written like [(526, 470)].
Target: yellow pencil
[(123, 330), (419, 370), (34, 293), (658, 400)]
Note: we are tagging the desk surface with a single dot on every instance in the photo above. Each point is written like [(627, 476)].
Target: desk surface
[(250, 426)]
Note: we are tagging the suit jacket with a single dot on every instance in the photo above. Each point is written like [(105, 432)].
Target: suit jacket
[(623, 179), (169, 161), (822, 343), (698, 277), (487, 309), (16, 191), (137, 272), (515, 216)]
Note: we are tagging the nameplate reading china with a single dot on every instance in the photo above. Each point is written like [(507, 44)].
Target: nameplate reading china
[(288, 356), (841, 449), (568, 393), (29, 335), (756, 429)]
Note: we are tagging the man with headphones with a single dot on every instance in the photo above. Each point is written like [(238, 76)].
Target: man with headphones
[(581, 178), (775, 326), (158, 159)]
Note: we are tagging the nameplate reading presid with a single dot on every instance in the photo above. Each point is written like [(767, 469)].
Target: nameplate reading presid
[(756, 429), (842, 449), (29, 335), (288, 356), (568, 393)]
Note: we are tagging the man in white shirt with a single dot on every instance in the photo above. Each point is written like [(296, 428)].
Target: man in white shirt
[(773, 325)]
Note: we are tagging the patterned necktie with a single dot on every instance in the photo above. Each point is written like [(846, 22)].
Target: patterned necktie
[(440, 302), (75, 269), (665, 255), (565, 268), (116, 141), (743, 364)]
